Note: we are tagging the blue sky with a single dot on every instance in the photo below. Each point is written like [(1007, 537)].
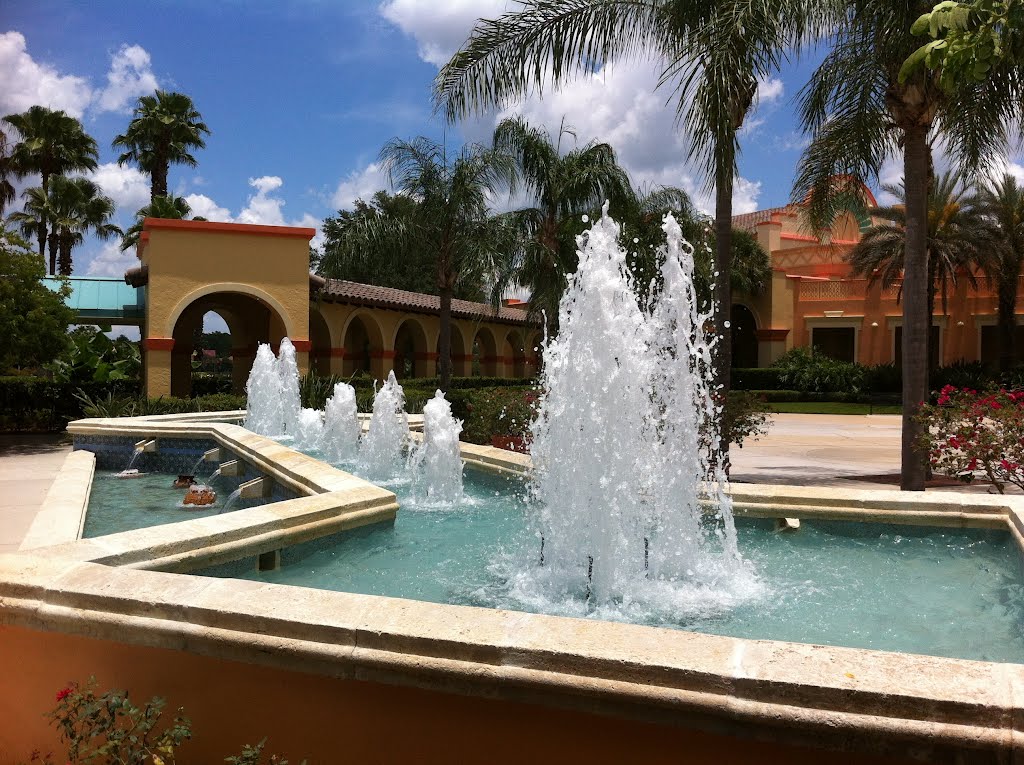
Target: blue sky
[(301, 94)]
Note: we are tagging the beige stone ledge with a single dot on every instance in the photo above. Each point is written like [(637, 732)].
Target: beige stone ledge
[(931, 708), (62, 514)]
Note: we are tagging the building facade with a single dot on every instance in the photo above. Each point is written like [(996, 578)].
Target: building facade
[(813, 300)]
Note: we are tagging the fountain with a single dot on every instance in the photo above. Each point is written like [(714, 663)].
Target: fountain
[(436, 463), (382, 447), (309, 429), (288, 370), (631, 508), (265, 413), (231, 500), (339, 440)]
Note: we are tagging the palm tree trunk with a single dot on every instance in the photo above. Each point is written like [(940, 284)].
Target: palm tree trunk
[(64, 262), (43, 227), (158, 179), (915, 304), (53, 252), (444, 356), (1007, 321), (723, 296)]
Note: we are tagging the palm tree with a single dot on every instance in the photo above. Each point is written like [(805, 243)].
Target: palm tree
[(164, 130), (171, 207), (564, 186), (1003, 202), (52, 143), (450, 220), (6, 171), (78, 206), (33, 218), (713, 52), (960, 239), (861, 112)]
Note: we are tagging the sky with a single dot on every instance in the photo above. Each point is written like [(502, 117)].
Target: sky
[(300, 95)]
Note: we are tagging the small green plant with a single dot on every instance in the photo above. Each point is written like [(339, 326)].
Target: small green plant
[(108, 405), (108, 729), (91, 356)]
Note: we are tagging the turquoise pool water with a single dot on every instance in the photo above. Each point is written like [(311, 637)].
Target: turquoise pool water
[(896, 588), (123, 504)]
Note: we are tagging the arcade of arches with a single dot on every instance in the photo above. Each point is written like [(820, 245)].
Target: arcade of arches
[(257, 279)]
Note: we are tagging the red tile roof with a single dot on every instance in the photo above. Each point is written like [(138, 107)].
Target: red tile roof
[(749, 221), (354, 293)]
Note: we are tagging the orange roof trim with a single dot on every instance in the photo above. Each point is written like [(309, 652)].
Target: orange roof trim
[(227, 228)]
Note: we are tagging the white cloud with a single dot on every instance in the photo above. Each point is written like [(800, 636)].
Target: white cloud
[(27, 83), (439, 29), (769, 90), (130, 76), (127, 186), (360, 184), (204, 207), (744, 196), (110, 261)]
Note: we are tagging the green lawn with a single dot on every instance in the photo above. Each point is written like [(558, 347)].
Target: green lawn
[(826, 407)]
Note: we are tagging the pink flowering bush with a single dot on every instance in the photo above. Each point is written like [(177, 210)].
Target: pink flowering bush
[(970, 434)]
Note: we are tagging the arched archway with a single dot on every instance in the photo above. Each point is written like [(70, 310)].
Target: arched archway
[(515, 354), (461, 360), (320, 343), (744, 336), (535, 354), (362, 341), (410, 346), (485, 354), (250, 321)]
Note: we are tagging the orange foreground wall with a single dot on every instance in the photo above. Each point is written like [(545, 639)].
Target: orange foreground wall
[(337, 721)]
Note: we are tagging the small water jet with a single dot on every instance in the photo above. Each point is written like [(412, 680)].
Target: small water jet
[(436, 462), (288, 370), (339, 440), (309, 429), (382, 448), (265, 395), (232, 499), (130, 471)]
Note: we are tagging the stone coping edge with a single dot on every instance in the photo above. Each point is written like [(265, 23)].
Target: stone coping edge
[(892, 703), (62, 514)]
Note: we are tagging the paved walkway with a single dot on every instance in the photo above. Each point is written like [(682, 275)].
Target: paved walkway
[(804, 449), (28, 465)]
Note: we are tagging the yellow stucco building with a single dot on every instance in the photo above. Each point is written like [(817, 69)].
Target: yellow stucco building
[(257, 278)]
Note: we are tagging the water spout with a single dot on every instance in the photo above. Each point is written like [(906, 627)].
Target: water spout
[(288, 369), (436, 463), (382, 447), (339, 440), (265, 412), (232, 498), (309, 429)]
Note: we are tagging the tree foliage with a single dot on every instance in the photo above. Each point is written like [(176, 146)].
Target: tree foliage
[(342, 256), (33, 318), (968, 39), (170, 207)]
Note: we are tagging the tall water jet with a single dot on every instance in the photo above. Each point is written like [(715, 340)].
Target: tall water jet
[(622, 442), (265, 402), (339, 440), (437, 461), (382, 447), (291, 401), (309, 430)]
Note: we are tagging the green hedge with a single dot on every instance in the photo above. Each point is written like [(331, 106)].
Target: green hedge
[(36, 404), (760, 379)]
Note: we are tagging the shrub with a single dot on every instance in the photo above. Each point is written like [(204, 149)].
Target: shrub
[(744, 416), (883, 378), (962, 374), (206, 383), (967, 433), (766, 378), (805, 371), (91, 356)]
